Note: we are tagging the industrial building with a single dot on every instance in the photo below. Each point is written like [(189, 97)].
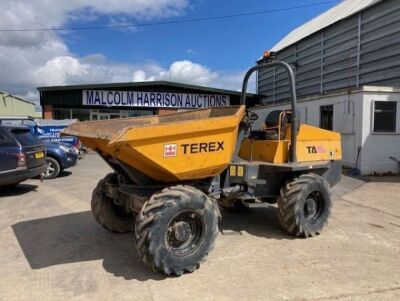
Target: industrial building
[(11, 105), (120, 100), (347, 66)]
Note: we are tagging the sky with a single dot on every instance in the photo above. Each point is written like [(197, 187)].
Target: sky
[(213, 53)]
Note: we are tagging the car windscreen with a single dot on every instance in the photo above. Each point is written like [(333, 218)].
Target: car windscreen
[(24, 137), (5, 140)]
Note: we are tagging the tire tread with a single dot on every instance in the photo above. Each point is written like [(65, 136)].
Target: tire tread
[(287, 205), (159, 202)]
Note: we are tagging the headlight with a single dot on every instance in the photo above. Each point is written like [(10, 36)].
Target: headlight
[(66, 149), (75, 150)]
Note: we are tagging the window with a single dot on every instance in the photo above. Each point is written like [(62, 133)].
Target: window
[(81, 114), (25, 138), (326, 117), (385, 116), (5, 140), (62, 114), (137, 113)]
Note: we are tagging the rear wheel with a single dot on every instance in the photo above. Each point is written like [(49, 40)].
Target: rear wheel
[(176, 229), (112, 217), (304, 205), (53, 168)]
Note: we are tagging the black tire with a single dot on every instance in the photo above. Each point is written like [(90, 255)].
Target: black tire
[(176, 229), (304, 205), (53, 168), (112, 217), (81, 154), (238, 207)]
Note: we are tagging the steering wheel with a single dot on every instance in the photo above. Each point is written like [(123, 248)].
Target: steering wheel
[(251, 115)]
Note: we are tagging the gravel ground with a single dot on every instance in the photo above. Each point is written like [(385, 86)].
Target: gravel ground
[(52, 249)]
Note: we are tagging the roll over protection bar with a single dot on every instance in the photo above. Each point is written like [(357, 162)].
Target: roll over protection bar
[(292, 84)]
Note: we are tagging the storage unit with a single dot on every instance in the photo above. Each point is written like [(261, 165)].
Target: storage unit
[(11, 105), (120, 100)]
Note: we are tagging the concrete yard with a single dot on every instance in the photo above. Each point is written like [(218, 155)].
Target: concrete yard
[(52, 249)]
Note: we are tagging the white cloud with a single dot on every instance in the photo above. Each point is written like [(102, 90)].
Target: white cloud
[(192, 51), (188, 72), (139, 76), (192, 73), (34, 14), (32, 59)]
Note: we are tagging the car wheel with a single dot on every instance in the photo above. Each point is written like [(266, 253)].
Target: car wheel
[(53, 168)]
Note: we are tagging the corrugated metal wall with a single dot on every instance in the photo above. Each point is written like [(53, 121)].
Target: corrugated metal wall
[(363, 49)]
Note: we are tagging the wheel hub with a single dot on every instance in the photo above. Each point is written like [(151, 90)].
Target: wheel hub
[(50, 169), (310, 208), (185, 233), (181, 231)]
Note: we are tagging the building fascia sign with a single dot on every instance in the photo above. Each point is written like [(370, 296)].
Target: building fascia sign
[(152, 99)]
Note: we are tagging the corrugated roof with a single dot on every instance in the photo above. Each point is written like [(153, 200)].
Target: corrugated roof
[(341, 11), (6, 94)]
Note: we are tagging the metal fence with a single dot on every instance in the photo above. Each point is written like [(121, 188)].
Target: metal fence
[(363, 49)]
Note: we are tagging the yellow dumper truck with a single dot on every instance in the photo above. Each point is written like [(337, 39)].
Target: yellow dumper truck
[(171, 173)]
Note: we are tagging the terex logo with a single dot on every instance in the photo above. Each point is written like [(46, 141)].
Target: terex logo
[(316, 149), (203, 147), (170, 150)]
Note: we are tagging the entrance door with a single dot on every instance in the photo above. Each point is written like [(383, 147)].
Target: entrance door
[(326, 117)]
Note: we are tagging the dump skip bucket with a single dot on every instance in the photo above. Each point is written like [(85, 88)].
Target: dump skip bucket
[(182, 146)]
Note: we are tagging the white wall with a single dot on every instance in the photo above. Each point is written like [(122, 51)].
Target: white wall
[(378, 147)]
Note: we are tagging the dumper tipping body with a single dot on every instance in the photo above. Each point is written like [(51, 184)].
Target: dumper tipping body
[(183, 146)]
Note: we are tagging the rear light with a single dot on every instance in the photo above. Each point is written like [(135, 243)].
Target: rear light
[(21, 160)]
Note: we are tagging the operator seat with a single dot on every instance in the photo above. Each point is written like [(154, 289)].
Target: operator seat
[(271, 130)]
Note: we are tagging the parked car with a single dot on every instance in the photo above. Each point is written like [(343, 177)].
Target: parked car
[(46, 130), (22, 156), (50, 129), (60, 156)]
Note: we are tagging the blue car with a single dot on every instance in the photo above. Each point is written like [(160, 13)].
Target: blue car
[(46, 130), (22, 156), (60, 156)]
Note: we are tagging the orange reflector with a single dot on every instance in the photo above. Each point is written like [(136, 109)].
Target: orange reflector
[(267, 54)]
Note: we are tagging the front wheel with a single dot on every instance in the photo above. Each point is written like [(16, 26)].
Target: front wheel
[(53, 168), (304, 205), (176, 229)]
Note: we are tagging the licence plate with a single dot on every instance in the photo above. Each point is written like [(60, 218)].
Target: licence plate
[(39, 155)]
